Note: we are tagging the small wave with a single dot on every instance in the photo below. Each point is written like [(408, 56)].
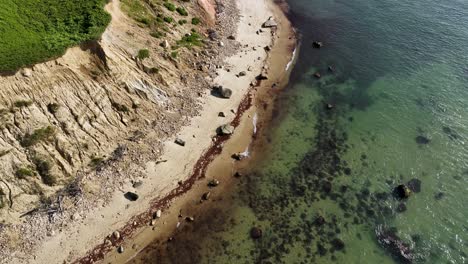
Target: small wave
[(292, 59)]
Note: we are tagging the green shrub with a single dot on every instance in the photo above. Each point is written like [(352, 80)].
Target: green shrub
[(96, 161), (157, 34), (41, 134), (192, 39), (34, 31), (22, 103), (174, 54), (182, 22), (23, 173), (143, 54), (195, 21), (170, 6), (43, 167), (182, 11), (168, 19)]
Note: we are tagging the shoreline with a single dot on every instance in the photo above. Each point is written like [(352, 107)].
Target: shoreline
[(187, 195)]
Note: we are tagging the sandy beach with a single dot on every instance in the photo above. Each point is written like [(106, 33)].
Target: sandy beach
[(179, 168)]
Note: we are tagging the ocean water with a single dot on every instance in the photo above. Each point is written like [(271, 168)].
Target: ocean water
[(321, 192)]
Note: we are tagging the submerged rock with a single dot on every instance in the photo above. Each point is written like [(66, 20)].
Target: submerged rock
[(439, 195), (394, 245), (256, 233), (401, 208), (317, 75), (414, 185), (338, 244), (401, 192), (422, 140)]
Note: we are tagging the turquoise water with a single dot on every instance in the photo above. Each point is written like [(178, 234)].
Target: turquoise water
[(322, 191)]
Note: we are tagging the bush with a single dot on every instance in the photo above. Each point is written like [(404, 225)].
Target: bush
[(182, 11), (43, 167), (174, 54), (182, 22), (41, 134), (157, 34), (192, 39), (195, 21), (23, 173), (143, 54), (170, 6), (96, 161), (168, 19), (22, 103)]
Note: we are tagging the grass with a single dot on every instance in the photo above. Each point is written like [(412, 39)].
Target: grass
[(23, 173), (192, 39), (34, 31), (143, 54), (41, 134)]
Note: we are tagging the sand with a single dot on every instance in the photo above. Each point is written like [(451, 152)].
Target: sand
[(159, 179)]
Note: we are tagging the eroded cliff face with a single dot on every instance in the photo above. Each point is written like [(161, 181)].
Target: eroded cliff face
[(66, 118)]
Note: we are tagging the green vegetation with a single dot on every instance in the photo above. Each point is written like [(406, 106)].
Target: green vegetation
[(96, 161), (174, 54), (195, 21), (192, 39), (22, 103), (43, 167), (23, 173), (143, 54), (182, 22), (157, 34), (168, 19), (170, 6), (182, 11), (41, 134), (33, 31)]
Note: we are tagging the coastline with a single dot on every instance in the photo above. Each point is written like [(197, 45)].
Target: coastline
[(178, 169), (185, 200)]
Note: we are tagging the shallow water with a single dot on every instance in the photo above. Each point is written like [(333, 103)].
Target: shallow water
[(322, 189)]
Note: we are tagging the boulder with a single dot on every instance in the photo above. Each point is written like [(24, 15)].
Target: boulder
[(317, 75), (231, 37), (401, 192), (414, 185), (242, 73), (262, 76), (116, 234), (120, 249), (238, 156), (158, 214), (221, 44), (213, 183), (395, 245), (212, 34), (26, 72), (267, 48), (256, 233), (270, 23), (225, 130), (180, 142), (223, 92), (137, 184), (206, 196), (221, 114), (165, 44), (189, 219), (317, 44), (131, 196), (329, 106)]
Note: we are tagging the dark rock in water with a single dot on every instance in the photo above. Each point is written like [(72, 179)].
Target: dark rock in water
[(256, 233), (206, 196), (450, 133), (439, 195), (329, 106), (422, 140), (317, 75), (337, 244), (331, 69), (401, 192), (401, 208), (321, 250), (131, 196), (327, 186), (394, 245), (319, 221), (317, 44), (414, 185), (347, 171)]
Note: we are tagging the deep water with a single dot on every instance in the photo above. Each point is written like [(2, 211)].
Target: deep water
[(322, 190)]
